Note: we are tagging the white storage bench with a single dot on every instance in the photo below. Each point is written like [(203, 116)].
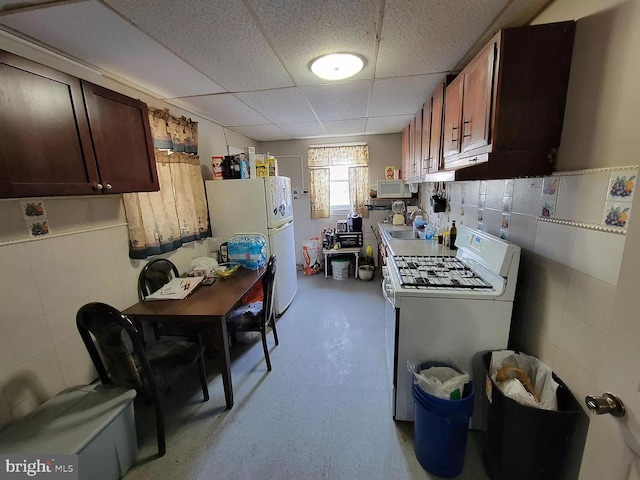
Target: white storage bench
[(95, 422)]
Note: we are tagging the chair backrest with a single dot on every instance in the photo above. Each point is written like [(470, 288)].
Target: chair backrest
[(154, 275), (268, 288), (107, 325)]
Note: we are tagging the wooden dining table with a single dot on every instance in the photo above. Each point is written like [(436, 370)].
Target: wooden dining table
[(207, 304)]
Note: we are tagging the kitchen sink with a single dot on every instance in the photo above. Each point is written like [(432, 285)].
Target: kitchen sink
[(404, 234)]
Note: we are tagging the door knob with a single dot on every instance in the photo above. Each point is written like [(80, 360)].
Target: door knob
[(108, 186), (97, 186), (607, 403)]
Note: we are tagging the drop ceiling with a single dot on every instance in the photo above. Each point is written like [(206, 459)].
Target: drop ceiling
[(244, 64)]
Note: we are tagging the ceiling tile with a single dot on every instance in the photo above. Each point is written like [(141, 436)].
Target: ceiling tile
[(218, 37), (339, 101), (263, 133), (225, 109), (284, 105), (303, 30), (345, 127), (428, 37), (131, 54), (401, 96), (303, 130), (387, 124)]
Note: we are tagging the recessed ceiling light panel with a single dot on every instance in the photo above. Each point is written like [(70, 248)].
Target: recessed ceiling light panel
[(337, 66)]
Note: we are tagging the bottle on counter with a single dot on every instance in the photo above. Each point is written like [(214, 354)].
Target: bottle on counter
[(453, 233)]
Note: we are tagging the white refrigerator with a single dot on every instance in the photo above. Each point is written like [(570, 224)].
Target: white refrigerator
[(260, 205)]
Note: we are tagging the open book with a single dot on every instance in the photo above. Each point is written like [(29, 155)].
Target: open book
[(176, 289)]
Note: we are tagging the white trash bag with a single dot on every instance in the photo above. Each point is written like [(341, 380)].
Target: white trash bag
[(441, 382), (524, 379)]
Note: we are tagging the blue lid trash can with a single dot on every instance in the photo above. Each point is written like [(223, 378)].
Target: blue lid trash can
[(440, 429)]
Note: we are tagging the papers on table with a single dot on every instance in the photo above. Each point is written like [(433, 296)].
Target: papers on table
[(176, 289)]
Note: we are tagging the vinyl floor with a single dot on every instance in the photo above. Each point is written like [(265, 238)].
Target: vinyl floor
[(323, 412)]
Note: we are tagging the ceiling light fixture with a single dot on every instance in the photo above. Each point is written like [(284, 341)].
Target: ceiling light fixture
[(337, 66)]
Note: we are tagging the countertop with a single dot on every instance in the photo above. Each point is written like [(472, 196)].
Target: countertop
[(411, 247)]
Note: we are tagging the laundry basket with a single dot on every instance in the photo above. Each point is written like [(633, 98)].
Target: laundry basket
[(340, 267)]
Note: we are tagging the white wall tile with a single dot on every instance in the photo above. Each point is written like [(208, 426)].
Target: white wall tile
[(471, 193), (590, 300), (26, 407), (522, 231), (577, 379), (598, 254), (546, 317), (495, 193), (107, 210), (537, 345), (550, 280), (14, 267), (12, 227), (582, 343), (21, 341), (39, 376), (68, 214), (526, 196), (555, 242), (582, 197)]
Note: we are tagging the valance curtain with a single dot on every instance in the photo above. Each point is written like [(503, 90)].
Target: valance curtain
[(173, 133), (320, 159)]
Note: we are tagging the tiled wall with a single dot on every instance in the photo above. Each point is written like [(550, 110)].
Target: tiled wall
[(44, 282), (568, 275)]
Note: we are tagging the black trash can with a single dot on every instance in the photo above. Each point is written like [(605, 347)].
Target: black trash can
[(523, 442)]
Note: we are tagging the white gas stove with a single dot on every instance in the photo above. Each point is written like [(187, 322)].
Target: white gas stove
[(448, 308)]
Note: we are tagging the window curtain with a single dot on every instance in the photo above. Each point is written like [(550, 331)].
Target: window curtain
[(162, 221), (319, 193), (319, 161)]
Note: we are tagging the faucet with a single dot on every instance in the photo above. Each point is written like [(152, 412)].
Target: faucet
[(416, 212)]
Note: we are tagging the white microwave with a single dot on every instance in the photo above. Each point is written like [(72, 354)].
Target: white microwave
[(393, 189)]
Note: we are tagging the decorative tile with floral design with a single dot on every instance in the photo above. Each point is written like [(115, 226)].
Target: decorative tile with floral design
[(481, 214), (506, 219), (508, 187), (547, 209), (622, 184), (504, 234), (483, 187), (33, 209), (38, 228), (616, 214), (550, 185), (482, 200), (481, 226)]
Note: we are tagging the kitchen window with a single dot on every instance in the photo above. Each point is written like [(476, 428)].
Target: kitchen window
[(339, 179)]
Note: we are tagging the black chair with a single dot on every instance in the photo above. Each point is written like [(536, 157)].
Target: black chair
[(153, 277), (258, 316), (147, 369)]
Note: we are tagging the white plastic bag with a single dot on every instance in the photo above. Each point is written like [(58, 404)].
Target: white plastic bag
[(539, 374), (311, 251), (440, 381)]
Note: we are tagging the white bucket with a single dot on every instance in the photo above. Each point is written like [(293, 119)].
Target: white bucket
[(340, 269)]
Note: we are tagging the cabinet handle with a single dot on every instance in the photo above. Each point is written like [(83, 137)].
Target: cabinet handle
[(464, 124), (453, 129), (475, 159), (97, 186), (108, 186)]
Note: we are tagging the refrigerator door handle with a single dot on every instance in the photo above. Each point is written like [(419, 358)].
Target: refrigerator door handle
[(281, 227)]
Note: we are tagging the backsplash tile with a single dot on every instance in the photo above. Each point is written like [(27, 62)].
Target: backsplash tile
[(598, 254), (555, 241), (526, 196), (590, 299), (495, 192), (582, 343), (581, 197)]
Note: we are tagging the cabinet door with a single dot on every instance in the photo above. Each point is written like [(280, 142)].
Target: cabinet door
[(417, 148), (122, 139), (476, 99), (426, 137), (435, 140), (452, 115), (405, 151), (45, 143)]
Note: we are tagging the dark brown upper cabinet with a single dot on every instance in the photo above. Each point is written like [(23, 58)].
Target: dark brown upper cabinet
[(503, 113), (64, 136), (405, 152)]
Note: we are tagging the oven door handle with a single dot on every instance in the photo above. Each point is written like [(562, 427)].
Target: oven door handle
[(386, 291)]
